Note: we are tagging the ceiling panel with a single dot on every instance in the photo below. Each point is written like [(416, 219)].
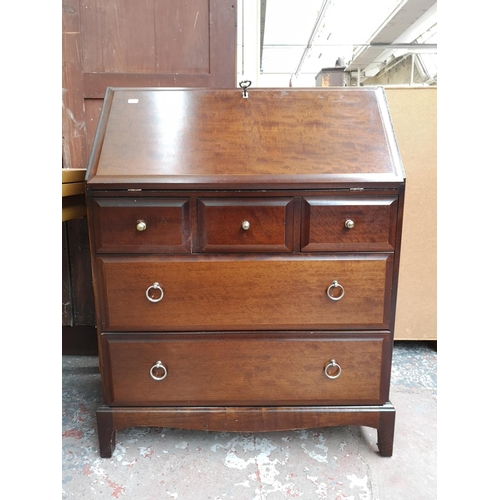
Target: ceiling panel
[(302, 37)]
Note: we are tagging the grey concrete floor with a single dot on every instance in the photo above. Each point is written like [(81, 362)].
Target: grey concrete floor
[(330, 463)]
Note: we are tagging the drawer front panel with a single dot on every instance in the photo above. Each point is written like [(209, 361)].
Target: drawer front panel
[(204, 293), (349, 224), (223, 369), (141, 225), (248, 225)]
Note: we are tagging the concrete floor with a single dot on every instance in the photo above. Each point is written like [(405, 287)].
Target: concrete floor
[(333, 463)]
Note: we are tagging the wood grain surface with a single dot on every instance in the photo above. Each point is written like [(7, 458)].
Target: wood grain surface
[(244, 369), (211, 293)]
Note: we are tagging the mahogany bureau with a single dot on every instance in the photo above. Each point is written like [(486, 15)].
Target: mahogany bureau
[(245, 249)]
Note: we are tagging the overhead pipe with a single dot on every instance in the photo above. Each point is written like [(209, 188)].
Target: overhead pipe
[(424, 47)]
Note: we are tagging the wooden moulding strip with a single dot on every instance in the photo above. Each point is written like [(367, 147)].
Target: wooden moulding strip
[(244, 419), (73, 189), (70, 175)]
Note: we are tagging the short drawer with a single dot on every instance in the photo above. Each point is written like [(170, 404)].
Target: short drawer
[(345, 224), (194, 293), (239, 369), (138, 225), (245, 225)]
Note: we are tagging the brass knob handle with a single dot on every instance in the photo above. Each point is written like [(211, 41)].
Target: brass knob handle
[(349, 224), (245, 225), (141, 225), (335, 284), (333, 364), (154, 286), (158, 366)]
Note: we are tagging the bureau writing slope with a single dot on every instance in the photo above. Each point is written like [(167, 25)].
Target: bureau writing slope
[(245, 249)]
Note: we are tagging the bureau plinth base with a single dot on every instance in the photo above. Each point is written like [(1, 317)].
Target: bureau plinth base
[(246, 419)]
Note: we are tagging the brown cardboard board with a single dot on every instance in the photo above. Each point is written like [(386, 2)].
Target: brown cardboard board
[(414, 116)]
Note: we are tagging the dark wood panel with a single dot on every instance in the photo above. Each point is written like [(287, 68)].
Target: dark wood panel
[(118, 36), (126, 36), (79, 340), (271, 140), (164, 225), (269, 225), (74, 133), (74, 141), (67, 309), (237, 369), (373, 224), (95, 84), (222, 44), (246, 419), (79, 254), (93, 109), (182, 36), (219, 293), (245, 193), (71, 16)]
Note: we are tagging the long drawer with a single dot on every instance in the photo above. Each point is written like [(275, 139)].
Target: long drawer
[(172, 293), (239, 369)]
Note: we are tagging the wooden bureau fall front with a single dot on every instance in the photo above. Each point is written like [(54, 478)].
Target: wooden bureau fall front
[(245, 249)]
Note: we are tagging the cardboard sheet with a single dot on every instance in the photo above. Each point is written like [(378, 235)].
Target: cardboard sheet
[(414, 116)]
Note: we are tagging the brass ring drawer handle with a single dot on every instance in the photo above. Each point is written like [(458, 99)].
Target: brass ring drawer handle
[(333, 364), (158, 366), (154, 286), (335, 284), (245, 225), (141, 225)]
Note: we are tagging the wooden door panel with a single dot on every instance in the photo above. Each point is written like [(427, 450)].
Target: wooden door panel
[(182, 37), (126, 36), (92, 112), (95, 84), (74, 134), (117, 36)]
